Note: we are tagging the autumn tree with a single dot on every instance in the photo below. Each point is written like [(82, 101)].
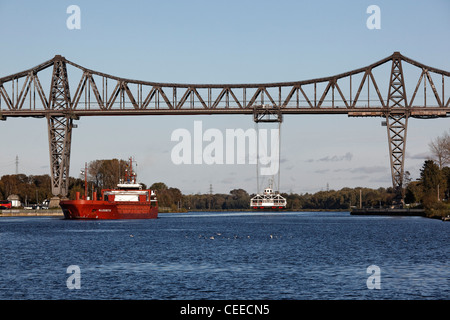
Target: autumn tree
[(440, 150), (167, 197), (106, 174), (30, 189)]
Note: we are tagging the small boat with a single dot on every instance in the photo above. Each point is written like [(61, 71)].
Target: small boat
[(269, 200), (127, 201)]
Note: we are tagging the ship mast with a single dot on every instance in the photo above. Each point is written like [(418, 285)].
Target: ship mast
[(130, 175), (85, 181)]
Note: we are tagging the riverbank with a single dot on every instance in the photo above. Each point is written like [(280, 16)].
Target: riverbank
[(58, 212), (388, 212), (32, 213)]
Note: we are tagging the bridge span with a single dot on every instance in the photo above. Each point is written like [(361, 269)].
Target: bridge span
[(383, 89)]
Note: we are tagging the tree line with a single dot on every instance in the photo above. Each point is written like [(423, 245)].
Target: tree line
[(34, 189), (430, 191)]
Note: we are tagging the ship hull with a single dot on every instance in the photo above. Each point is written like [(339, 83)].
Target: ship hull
[(271, 208), (95, 209)]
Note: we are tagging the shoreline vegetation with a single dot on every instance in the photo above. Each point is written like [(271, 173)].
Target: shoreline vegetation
[(430, 192), (172, 200)]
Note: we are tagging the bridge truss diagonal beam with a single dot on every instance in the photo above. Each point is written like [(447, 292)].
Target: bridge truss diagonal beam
[(355, 93)]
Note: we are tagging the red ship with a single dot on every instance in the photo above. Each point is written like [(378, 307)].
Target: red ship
[(127, 201)]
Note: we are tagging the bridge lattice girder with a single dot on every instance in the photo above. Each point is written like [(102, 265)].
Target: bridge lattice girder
[(356, 93)]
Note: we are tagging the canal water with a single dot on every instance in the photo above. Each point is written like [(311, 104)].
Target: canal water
[(227, 255)]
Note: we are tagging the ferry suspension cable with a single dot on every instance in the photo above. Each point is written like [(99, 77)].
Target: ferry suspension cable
[(279, 156), (257, 156), (275, 155), (270, 199), (268, 114)]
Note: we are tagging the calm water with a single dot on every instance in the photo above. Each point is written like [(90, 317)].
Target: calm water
[(226, 256)]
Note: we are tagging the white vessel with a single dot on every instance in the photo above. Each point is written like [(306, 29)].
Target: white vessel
[(269, 200)]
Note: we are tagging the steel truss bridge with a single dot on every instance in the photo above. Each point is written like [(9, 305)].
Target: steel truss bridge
[(383, 89)]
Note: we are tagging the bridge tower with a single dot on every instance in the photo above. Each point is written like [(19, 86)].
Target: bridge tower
[(59, 128), (397, 123)]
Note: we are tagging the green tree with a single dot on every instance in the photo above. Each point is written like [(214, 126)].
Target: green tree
[(446, 174), (238, 199), (158, 186), (433, 183), (75, 185), (414, 192)]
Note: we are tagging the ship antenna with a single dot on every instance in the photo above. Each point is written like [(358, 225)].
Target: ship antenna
[(132, 177), (85, 180), (134, 173)]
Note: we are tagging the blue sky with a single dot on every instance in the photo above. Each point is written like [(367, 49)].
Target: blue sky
[(224, 42)]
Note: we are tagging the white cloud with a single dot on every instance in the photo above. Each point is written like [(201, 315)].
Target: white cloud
[(335, 158), (364, 170)]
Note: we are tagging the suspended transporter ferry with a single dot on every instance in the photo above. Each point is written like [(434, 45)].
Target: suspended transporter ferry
[(269, 200), (127, 201)]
